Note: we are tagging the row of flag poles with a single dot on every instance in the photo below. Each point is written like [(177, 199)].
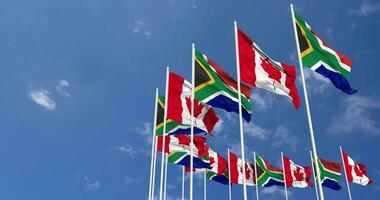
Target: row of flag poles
[(188, 109)]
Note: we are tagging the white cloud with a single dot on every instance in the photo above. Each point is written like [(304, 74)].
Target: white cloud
[(127, 149), (366, 8), (194, 4), (283, 137), (315, 82), (256, 131), (62, 84), (329, 32), (274, 191), (356, 115), (218, 127), (145, 129), (129, 180), (91, 185), (142, 27), (41, 97), (262, 100)]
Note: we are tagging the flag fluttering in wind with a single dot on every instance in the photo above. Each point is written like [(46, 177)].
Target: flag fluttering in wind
[(259, 70), (236, 171), (317, 55), (179, 106), (355, 173), (172, 127), (296, 175), (219, 168), (267, 175), (330, 173), (179, 151), (215, 87)]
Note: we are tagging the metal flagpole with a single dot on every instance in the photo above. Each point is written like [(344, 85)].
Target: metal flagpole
[(307, 104), (257, 185), (229, 175), (192, 119), (240, 109), (204, 185), (283, 168), (315, 181), (163, 133), (153, 146), (154, 167), (345, 173), (183, 183), (166, 175)]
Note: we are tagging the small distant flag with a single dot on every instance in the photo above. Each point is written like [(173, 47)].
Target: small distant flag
[(330, 173), (267, 175), (259, 70), (179, 106), (296, 175), (317, 55), (355, 173), (179, 151), (217, 88), (236, 171)]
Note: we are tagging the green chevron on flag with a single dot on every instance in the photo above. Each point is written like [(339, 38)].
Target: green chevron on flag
[(171, 126), (268, 175)]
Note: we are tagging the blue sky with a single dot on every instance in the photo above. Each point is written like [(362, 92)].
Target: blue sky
[(78, 78)]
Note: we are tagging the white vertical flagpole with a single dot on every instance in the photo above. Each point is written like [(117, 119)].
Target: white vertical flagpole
[(345, 173), (166, 175), (192, 119), (240, 109), (154, 167), (229, 175), (204, 185), (257, 185), (315, 181), (153, 147), (307, 104), (183, 183), (163, 134), (283, 168)]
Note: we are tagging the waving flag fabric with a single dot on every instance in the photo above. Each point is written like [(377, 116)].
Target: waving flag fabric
[(296, 175), (179, 106), (236, 171), (259, 70), (268, 175), (355, 173), (215, 87), (330, 174), (317, 55), (179, 152), (172, 127)]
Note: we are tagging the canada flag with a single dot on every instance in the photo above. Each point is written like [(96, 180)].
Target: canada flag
[(296, 175), (355, 173)]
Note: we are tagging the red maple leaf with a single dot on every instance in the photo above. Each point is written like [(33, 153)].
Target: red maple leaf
[(299, 174)]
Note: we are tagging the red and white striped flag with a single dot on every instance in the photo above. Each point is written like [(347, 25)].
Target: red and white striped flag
[(236, 171), (259, 70), (179, 106), (355, 173), (296, 175)]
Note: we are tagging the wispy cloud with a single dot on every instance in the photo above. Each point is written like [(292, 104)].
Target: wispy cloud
[(145, 129), (127, 149), (256, 131), (194, 4), (356, 115), (283, 137), (274, 191), (262, 100), (42, 98), (366, 8), (91, 185), (142, 28), (130, 180), (329, 32), (62, 85), (218, 127), (316, 82)]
